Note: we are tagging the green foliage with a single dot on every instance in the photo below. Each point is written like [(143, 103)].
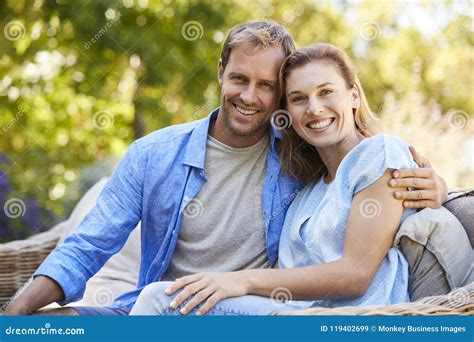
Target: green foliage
[(80, 80)]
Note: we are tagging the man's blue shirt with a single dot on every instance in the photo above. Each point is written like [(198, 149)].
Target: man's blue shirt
[(159, 174)]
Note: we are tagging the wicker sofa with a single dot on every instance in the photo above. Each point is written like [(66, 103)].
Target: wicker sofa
[(19, 259)]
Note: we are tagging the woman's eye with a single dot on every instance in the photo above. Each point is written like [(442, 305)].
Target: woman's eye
[(297, 99), (326, 92)]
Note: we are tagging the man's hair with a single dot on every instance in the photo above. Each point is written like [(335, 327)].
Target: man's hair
[(261, 34)]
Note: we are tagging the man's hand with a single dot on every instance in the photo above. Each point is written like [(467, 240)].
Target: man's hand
[(209, 287), (431, 190)]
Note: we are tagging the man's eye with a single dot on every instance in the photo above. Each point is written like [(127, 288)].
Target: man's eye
[(238, 78)]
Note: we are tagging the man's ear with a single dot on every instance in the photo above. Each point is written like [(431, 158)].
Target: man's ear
[(220, 72)]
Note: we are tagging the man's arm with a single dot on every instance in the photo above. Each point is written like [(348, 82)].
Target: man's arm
[(41, 292), (430, 189), (103, 232)]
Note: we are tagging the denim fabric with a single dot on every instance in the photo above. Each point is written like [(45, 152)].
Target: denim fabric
[(158, 176), (100, 311), (154, 301)]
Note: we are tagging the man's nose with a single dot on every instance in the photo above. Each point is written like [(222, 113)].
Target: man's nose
[(248, 95)]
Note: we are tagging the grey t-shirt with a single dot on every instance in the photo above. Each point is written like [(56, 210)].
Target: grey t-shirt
[(223, 228)]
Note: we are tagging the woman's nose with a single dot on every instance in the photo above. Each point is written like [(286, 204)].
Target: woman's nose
[(314, 107)]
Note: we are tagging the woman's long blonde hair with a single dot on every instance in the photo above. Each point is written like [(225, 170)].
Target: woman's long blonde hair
[(297, 157)]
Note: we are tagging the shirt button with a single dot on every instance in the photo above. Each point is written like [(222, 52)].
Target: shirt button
[(186, 198)]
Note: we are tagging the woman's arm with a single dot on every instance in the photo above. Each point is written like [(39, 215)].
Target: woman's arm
[(373, 221), (367, 241)]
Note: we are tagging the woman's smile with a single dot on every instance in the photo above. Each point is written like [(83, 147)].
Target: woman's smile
[(321, 124)]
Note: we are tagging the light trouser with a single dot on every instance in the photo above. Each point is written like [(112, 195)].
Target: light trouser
[(153, 301)]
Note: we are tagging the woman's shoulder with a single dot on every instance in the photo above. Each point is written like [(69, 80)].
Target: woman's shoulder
[(378, 149), (381, 141), (367, 161)]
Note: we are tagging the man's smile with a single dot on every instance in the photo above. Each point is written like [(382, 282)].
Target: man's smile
[(245, 111)]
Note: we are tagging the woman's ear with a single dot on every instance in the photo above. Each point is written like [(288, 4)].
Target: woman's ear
[(220, 72), (355, 97)]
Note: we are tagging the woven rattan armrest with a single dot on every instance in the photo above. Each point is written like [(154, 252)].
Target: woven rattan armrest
[(19, 259), (456, 303)]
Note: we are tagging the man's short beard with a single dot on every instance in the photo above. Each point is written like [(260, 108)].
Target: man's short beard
[(229, 126)]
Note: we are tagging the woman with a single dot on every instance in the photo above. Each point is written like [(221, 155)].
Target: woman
[(336, 243)]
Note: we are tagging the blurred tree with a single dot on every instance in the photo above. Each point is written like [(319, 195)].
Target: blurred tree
[(80, 80)]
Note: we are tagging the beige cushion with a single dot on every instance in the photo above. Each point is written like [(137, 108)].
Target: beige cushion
[(438, 252), (461, 204)]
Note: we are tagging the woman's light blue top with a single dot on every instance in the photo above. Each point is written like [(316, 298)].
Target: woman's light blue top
[(316, 221)]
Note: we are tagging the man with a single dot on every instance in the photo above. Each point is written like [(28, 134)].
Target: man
[(210, 194)]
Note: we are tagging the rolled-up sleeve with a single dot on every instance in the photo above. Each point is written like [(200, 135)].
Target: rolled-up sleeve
[(104, 230)]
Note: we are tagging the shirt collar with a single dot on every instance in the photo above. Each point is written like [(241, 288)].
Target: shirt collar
[(195, 154)]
